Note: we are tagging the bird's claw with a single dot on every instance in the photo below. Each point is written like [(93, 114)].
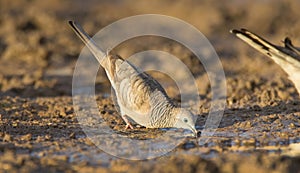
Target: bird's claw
[(128, 126)]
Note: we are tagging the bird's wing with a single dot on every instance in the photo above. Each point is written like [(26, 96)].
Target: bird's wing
[(136, 88), (288, 57)]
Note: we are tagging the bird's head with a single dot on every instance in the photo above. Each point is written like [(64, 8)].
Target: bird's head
[(186, 120)]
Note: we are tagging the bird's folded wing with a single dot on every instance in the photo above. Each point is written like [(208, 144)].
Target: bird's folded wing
[(135, 88)]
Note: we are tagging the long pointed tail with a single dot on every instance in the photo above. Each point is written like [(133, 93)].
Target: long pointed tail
[(255, 41), (88, 41), (276, 53), (288, 57)]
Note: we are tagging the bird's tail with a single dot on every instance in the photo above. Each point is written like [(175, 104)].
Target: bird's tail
[(287, 57), (255, 41), (88, 41), (276, 53)]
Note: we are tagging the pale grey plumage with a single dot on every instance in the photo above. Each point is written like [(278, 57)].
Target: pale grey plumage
[(288, 57), (139, 96)]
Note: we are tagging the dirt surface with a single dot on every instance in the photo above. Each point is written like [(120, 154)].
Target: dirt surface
[(39, 130)]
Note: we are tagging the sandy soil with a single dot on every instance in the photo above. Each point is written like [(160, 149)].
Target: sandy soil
[(39, 130)]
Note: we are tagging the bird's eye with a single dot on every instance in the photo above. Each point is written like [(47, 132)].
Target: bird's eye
[(185, 120)]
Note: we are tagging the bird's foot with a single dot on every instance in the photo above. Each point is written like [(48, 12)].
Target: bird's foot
[(128, 126)]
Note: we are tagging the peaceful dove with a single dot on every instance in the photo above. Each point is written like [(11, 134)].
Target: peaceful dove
[(139, 96), (287, 57)]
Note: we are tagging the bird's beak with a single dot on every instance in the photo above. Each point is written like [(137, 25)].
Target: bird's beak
[(195, 132), (193, 129)]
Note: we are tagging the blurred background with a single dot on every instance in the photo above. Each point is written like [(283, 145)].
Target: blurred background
[(38, 50)]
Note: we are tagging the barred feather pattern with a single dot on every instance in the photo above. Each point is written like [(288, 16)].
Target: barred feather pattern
[(140, 96)]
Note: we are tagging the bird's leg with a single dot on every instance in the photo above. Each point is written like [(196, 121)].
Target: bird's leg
[(128, 125)]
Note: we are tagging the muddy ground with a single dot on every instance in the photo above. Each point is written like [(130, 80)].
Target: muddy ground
[(39, 130)]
